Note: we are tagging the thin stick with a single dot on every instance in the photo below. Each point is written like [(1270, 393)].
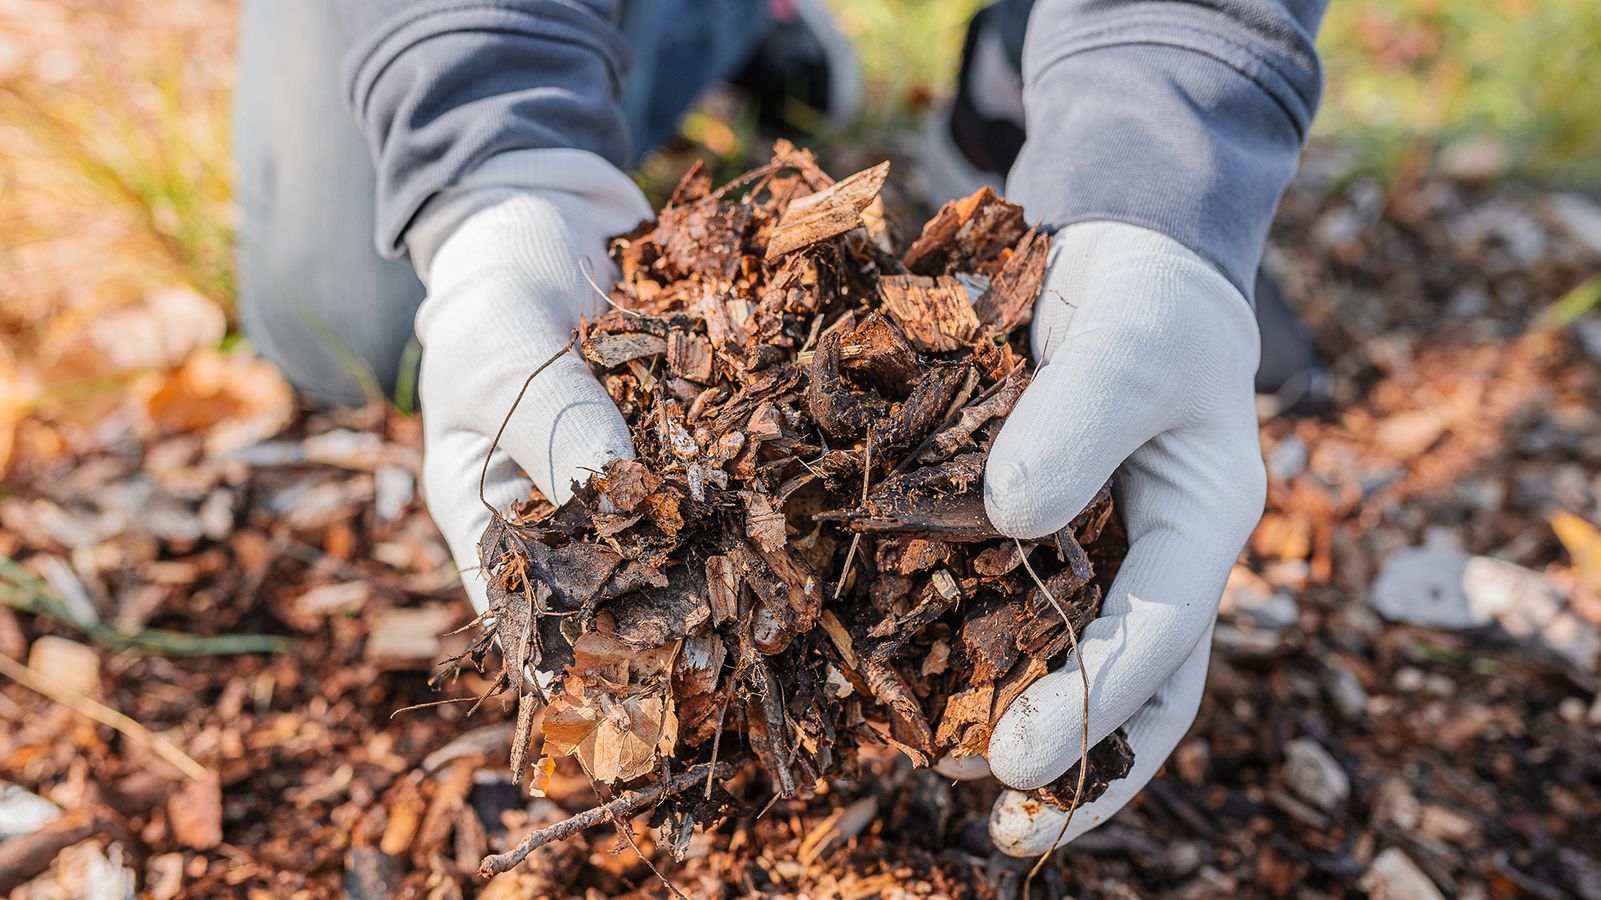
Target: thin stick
[(624, 829), (432, 703), (1084, 736), (717, 743), (584, 269), (105, 715), (624, 805), (856, 539), (483, 476)]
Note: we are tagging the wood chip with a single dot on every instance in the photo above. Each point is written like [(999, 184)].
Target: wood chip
[(934, 313), (827, 213)]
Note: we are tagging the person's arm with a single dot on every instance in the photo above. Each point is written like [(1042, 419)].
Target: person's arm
[(498, 136), (1183, 118), (442, 86), (1160, 136)]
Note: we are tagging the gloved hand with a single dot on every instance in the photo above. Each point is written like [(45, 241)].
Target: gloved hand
[(1148, 355), (500, 254)]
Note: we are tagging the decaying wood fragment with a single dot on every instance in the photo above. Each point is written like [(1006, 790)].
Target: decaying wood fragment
[(934, 313), (1009, 301), (827, 213), (965, 234)]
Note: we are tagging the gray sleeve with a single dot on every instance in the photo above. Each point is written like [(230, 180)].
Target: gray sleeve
[(1183, 117), (439, 86)]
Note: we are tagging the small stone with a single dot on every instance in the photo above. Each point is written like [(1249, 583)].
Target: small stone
[(1474, 160), (1439, 585), (344, 598), (23, 812), (1338, 227), (1315, 775), (1287, 460), (1393, 802), (1407, 434), (1423, 586), (1410, 680), (393, 489), (1572, 710), (1588, 331), (1192, 760), (216, 514), (1350, 699), (1394, 876), (1580, 217), (1182, 858), (1248, 596), (67, 664), (1583, 873), (1469, 301), (410, 633), (1447, 825), (1439, 685), (1291, 574)]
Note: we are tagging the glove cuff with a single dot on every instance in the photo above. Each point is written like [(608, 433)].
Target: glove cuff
[(1098, 263), (594, 199)]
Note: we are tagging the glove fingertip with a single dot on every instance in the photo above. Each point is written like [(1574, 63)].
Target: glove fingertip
[(1016, 757), (1020, 826)]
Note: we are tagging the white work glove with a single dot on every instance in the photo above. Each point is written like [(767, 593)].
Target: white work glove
[(500, 254), (1148, 356)]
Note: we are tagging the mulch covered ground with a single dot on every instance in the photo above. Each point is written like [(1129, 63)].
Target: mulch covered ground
[(1336, 751)]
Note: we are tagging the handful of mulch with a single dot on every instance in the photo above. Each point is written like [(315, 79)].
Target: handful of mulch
[(798, 561)]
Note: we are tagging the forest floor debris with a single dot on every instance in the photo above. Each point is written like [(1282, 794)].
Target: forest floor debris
[(1472, 764)]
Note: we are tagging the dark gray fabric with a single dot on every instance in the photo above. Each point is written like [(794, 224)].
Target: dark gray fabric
[(1186, 118), (679, 48), (441, 86), (1011, 18), (315, 298)]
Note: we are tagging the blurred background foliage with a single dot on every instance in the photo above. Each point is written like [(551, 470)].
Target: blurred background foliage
[(1508, 83), (114, 171)]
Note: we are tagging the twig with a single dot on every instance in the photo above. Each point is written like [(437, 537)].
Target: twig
[(624, 805), (856, 539), (105, 715), (584, 269), (483, 476), (947, 422), (717, 743), (623, 828), (430, 704), (1084, 730)]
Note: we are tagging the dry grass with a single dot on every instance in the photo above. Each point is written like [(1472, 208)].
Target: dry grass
[(113, 157)]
